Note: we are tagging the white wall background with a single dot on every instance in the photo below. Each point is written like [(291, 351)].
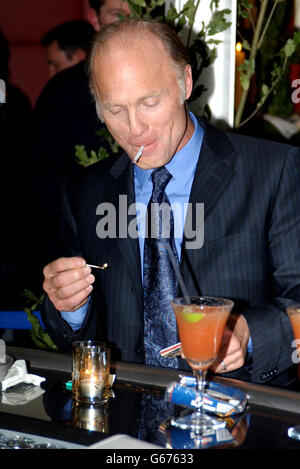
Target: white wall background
[(219, 78)]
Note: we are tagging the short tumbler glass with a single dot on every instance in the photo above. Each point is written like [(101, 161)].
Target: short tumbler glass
[(91, 370)]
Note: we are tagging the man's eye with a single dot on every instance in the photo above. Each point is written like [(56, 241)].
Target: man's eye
[(151, 103), (115, 111)]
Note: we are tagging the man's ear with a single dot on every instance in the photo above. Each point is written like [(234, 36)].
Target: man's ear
[(188, 81), (93, 18), (79, 55)]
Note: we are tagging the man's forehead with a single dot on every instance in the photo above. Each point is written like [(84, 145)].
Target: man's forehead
[(132, 81), (134, 44), (145, 57)]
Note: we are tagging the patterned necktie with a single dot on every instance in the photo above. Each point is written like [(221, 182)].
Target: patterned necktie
[(160, 281)]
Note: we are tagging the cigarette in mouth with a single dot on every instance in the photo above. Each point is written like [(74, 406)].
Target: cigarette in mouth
[(138, 155)]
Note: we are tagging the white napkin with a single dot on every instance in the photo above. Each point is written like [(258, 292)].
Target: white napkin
[(18, 374), (21, 395)]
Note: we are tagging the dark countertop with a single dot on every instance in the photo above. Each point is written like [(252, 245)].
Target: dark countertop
[(270, 411)]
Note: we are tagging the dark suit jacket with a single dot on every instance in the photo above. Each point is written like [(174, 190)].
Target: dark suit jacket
[(251, 250)]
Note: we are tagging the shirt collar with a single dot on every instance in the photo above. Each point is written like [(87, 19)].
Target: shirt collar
[(183, 162)]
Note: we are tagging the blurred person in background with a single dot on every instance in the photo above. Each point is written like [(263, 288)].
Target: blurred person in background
[(67, 44), (15, 140), (65, 116)]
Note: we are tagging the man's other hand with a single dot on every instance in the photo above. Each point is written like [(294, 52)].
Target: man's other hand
[(234, 345)]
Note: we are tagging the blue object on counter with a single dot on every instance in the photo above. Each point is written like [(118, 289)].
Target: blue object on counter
[(17, 320), (218, 399), (185, 439), (69, 385)]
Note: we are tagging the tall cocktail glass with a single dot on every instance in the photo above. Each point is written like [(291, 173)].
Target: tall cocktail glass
[(294, 315), (200, 322)]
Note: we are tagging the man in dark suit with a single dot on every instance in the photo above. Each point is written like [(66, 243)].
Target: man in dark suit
[(250, 191)]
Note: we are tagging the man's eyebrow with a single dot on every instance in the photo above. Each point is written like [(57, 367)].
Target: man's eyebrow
[(158, 94), (110, 105), (142, 98)]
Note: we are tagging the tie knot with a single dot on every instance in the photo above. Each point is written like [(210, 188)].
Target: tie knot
[(160, 178)]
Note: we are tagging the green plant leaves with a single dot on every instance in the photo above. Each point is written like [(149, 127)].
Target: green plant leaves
[(244, 9), (106, 136), (39, 336), (141, 3), (218, 22), (289, 47), (84, 159)]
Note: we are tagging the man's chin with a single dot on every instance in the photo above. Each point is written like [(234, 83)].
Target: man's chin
[(147, 164)]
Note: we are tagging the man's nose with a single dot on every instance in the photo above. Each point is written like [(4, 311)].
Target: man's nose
[(137, 125)]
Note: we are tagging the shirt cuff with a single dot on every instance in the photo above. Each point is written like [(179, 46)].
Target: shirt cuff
[(249, 356), (75, 318), (250, 349)]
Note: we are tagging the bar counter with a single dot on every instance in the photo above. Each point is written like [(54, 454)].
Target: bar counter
[(52, 414)]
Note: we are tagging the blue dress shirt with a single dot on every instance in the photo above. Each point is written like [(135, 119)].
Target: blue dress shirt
[(182, 167)]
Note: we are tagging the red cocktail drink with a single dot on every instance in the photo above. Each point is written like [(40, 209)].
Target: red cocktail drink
[(200, 330)]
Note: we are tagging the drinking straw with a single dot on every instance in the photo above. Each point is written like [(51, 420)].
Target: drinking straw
[(178, 274)]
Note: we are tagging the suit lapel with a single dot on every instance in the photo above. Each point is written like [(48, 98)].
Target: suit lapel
[(215, 168), (122, 197), (214, 173)]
